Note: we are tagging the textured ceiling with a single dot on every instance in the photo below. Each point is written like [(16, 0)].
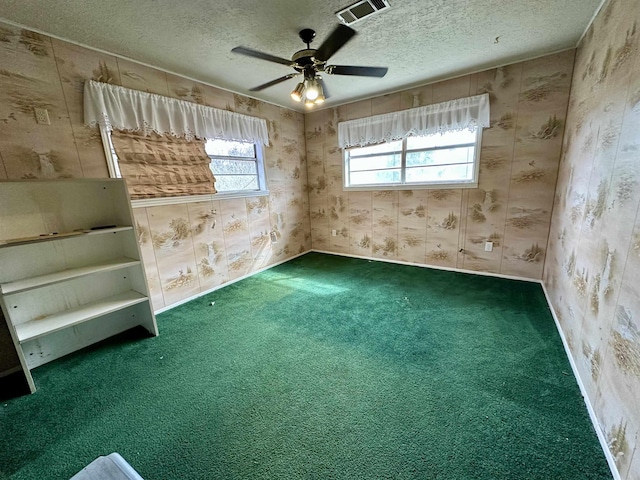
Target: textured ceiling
[(419, 40)]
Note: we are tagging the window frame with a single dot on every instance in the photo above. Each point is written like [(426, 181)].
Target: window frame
[(473, 183), (258, 150), (114, 172)]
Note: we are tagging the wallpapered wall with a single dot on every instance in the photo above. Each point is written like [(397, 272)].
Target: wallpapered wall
[(592, 271), (187, 248), (512, 206)]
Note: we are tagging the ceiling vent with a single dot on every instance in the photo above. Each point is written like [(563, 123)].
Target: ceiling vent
[(361, 10)]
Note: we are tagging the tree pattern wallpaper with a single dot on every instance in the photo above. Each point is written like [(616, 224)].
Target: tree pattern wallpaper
[(187, 248), (559, 190), (448, 228), (592, 270)]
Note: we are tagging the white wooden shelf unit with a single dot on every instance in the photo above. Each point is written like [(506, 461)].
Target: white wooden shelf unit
[(71, 267)]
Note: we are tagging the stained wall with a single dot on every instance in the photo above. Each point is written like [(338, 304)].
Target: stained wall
[(448, 228), (592, 270), (187, 248)]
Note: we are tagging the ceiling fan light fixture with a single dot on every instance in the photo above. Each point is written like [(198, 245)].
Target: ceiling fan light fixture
[(313, 89), (298, 92), (321, 98), (310, 62)]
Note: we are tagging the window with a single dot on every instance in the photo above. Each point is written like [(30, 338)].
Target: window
[(434, 146), (237, 166), (432, 161), (154, 142)]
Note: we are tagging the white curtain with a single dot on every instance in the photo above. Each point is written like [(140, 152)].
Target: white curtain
[(460, 114), (115, 107)]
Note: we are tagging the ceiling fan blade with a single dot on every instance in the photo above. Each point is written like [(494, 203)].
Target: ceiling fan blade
[(272, 82), (262, 56), (360, 71), (334, 42)]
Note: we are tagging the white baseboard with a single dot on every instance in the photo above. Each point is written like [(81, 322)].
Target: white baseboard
[(592, 413), (434, 267), (198, 295)]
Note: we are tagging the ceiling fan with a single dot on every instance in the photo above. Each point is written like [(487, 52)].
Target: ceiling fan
[(311, 63)]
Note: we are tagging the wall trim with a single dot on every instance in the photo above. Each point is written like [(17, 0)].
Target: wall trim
[(592, 413), (434, 267), (214, 197), (218, 287), (593, 19)]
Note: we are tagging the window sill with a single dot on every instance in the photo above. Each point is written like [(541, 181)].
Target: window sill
[(433, 186), (155, 202)]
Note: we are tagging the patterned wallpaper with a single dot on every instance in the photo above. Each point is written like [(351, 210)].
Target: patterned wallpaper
[(592, 271), (187, 248), (512, 206)]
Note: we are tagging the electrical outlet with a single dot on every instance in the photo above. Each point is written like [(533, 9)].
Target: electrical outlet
[(334, 233), (42, 116), (488, 246)]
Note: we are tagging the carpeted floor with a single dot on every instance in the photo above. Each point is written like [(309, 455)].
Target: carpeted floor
[(320, 368)]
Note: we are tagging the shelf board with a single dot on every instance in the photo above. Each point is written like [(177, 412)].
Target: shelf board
[(48, 237), (58, 321), (63, 275)]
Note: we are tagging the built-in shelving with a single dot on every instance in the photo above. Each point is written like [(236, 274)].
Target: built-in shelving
[(63, 275), (69, 278), (48, 237), (37, 328)]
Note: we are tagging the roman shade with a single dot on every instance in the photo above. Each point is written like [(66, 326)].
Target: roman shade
[(460, 114), (118, 108), (157, 166)]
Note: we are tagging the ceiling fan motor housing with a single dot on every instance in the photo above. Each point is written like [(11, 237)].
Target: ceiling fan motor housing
[(303, 58)]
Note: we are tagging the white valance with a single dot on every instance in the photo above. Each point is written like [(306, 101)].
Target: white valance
[(115, 107), (460, 114)]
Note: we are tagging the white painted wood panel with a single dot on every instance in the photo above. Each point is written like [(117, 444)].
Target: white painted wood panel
[(68, 274), (64, 286), (41, 350), (53, 323)]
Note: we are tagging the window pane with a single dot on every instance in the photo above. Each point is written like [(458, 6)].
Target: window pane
[(226, 183), (373, 149), (228, 148), (373, 163), (440, 157), (219, 166), (438, 140), (375, 177), (440, 173)]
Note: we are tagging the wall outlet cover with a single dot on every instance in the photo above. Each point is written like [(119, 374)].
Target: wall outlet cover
[(488, 246), (42, 116)]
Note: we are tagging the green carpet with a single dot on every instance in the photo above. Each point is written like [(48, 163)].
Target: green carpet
[(320, 368)]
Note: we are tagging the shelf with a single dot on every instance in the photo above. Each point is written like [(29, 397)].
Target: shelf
[(63, 275), (48, 237), (58, 321)]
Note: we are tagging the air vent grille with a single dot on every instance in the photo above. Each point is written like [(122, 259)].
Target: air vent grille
[(361, 10)]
